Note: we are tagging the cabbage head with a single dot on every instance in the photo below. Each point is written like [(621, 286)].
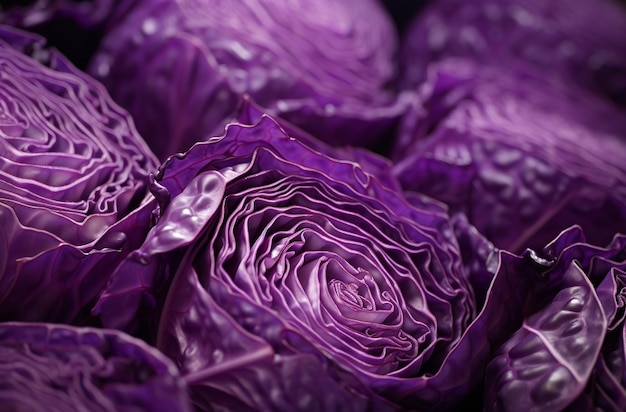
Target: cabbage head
[(584, 43), (180, 67), (281, 277), (523, 155), (73, 184)]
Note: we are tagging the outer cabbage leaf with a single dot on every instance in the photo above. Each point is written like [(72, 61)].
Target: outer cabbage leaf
[(181, 66), (523, 156), (46, 367), (567, 353), (585, 44), (73, 184), (250, 113), (606, 267)]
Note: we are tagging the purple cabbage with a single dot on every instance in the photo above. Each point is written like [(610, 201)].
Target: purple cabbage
[(606, 389), (286, 259), (273, 263), (46, 367), (569, 353), (73, 184), (180, 67), (524, 156), (583, 42), (279, 273)]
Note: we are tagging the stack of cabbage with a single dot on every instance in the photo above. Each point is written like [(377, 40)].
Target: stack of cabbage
[(290, 205)]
